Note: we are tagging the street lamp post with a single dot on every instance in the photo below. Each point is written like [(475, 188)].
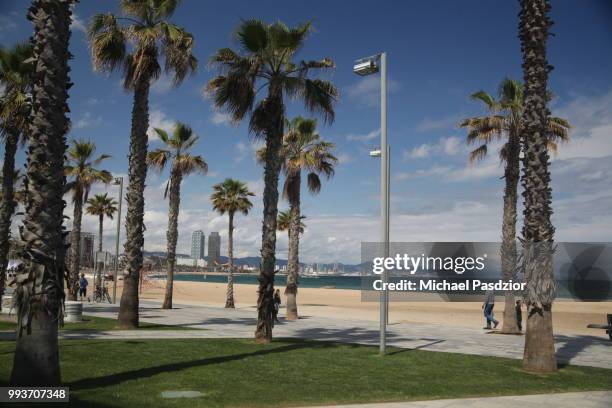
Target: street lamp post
[(367, 66), (118, 181)]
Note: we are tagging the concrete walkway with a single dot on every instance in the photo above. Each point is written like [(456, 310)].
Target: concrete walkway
[(240, 323), (594, 399)]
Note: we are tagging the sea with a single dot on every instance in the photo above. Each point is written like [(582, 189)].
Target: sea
[(331, 281)]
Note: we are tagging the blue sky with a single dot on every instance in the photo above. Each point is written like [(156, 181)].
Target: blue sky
[(439, 52)]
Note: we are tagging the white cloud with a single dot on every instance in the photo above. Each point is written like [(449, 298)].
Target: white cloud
[(449, 146), (87, 121), (591, 118), (77, 24), (363, 137), (162, 85), (445, 123), (158, 119), (367, 90), (344, 158), (220, 118), (244, 150)]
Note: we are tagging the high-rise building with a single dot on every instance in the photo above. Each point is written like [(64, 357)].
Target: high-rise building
[(86, 258), (197, 244), (214, 250)]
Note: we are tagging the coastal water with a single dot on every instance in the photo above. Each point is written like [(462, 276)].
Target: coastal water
[(335, 282)]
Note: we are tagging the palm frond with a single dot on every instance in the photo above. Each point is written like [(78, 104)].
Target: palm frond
[(158, 158), (107, 42), (478, 154)]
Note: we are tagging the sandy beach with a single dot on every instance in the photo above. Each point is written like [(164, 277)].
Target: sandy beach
[(569, 317)]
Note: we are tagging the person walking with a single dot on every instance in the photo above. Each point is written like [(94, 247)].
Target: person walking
[(487, 307), (83, 286), (277, 303)]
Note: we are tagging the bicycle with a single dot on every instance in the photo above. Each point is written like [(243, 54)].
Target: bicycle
[(101, 294)]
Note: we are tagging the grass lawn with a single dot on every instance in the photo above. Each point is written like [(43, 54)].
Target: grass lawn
[(92, 323), (241, 373)]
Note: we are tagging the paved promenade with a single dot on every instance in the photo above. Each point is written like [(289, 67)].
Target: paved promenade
[(593, 399), (240, 323)]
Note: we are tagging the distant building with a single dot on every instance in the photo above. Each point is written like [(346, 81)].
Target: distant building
[(86, 259), (214, 250), (198, 240)]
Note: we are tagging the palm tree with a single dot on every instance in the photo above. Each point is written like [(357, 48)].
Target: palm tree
[(81, 168), (103, 206), (16, 79), (302, 149), (152, 37), (230, 197), (39, 288), (538, 231), (505, 121), (283, 223), (182, 164), (266, 61)]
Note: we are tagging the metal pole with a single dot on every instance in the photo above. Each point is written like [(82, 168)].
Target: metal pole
[(117, 241), (384, 184), (388, 226)]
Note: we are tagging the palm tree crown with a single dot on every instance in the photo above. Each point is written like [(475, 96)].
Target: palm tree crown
[(231, 196), (102, 205), (81, 167), (506, 118), (284, 221), (266, 61), (16, 72), (304, 150), (150, 33), (178, 145)]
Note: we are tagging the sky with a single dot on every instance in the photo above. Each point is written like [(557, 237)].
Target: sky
[(439, 52)]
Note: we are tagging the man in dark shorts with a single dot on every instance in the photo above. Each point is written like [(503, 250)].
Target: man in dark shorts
[(83, 287)]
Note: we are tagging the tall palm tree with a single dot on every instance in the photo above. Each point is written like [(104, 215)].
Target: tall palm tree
[(283, 223), (538, 231), (81, 169), (230, 197), (266, 61), (39, 288), (152, 38), (16, 78), (504, 121), (101, 205), (302, 150), (182, 164)]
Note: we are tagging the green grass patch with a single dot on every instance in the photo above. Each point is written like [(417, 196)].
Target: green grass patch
[(94, 323), (241, 373)]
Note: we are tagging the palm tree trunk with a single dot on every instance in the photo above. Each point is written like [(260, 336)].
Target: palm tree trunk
[(99, 265), (134, 223), (39, 294), (508, 247), (7, 207), (75, 245), (172, 235), (229, 302), (293, 263), (538, 231), (265, 300)]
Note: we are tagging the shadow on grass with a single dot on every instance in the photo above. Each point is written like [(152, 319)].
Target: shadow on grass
[(118, 378)]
